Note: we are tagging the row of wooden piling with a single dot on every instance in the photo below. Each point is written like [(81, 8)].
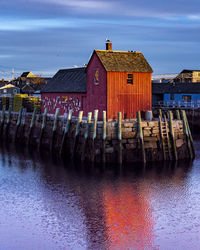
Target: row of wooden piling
[(173, 155), (187, 132)]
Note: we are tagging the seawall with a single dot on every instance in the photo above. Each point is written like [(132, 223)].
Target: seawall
[(112, 141)]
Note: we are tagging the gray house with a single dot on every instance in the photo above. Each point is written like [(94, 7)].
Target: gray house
[(9, 90)]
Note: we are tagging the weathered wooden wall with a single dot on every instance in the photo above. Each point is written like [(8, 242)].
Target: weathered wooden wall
[(96, 93), (128, 98)]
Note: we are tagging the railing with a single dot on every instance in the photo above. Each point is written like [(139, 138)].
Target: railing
[(178, 104)]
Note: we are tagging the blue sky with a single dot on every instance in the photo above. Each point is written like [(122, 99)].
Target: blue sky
[(43, 36)]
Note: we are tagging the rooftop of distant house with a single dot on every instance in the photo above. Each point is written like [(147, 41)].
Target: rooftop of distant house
[(27, 74)]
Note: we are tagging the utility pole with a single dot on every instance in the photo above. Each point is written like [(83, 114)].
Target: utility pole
[(13, 72)]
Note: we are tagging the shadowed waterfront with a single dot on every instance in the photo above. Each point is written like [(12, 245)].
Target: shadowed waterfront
[(46, 205)]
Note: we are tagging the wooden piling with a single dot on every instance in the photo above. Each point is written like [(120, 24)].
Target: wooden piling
[(178, 117), (66, 131), (44, 121), (185, 127), (74, 146), (54, 128), (18, 123), (141, 138), (94, 135), (8, 122), (167, 138), (160, 113), (9, 115), (162, 139), (171, 129), (190, 135), (2, 120), (104, 138), (119, 136), (32, 124), (87, 130)]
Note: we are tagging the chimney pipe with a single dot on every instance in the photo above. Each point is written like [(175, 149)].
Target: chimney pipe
[(108, 45)]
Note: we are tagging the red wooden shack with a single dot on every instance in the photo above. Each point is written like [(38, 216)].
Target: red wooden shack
[(118, 81), (114, 81)]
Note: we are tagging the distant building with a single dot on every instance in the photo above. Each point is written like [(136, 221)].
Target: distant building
[(9, 90), (29, 83), (113, 81), (27, 75), (187, 76), (176, 94)]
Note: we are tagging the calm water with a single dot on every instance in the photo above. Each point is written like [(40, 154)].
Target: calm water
[(50, 206)]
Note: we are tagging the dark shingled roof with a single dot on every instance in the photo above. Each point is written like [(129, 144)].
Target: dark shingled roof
[(162, 88), (67, 80), (25, 74), (123, 61)]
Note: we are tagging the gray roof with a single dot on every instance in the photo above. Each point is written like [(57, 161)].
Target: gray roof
[(67, 80), (123, 61), (162, 88)]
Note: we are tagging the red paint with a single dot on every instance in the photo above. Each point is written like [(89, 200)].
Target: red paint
[(96, 92), (107, 91), (113, 94), (64, 101), (128, 98)]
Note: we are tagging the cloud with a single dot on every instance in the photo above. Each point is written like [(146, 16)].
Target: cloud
[(10, 24), (82, 4), (6, 56)]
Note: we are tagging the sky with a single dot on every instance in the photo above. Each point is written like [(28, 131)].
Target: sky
[(43, 36)]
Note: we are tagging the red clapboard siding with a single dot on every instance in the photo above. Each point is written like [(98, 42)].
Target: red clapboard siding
[(128, 98), (96, 94)]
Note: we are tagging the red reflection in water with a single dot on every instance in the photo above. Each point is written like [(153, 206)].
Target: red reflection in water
[(128, 218)]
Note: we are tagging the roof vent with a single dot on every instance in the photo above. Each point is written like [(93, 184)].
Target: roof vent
[(108, 45)]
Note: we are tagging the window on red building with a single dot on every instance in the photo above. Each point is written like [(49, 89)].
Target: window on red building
[(130, 78)]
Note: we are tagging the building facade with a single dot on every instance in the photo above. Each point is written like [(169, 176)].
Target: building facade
[(113, 81)]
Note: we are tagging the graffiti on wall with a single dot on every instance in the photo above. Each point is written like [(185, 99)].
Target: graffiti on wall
[(65, 103)]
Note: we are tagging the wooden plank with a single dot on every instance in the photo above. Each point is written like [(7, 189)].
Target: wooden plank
[(94, 135), (74, 146), (104, 138), (178, 117), (56, 119), (3, 115), (167, 135), (160, 113), (66, 131), (190, 135), (18, 123), (119, 136), (32, 124), (171, 128), (54, 128), (162, 139), (185, 127), (87, 130), (44, 121), (8, 122), (141, 138), (9, 115), (2, 120)]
